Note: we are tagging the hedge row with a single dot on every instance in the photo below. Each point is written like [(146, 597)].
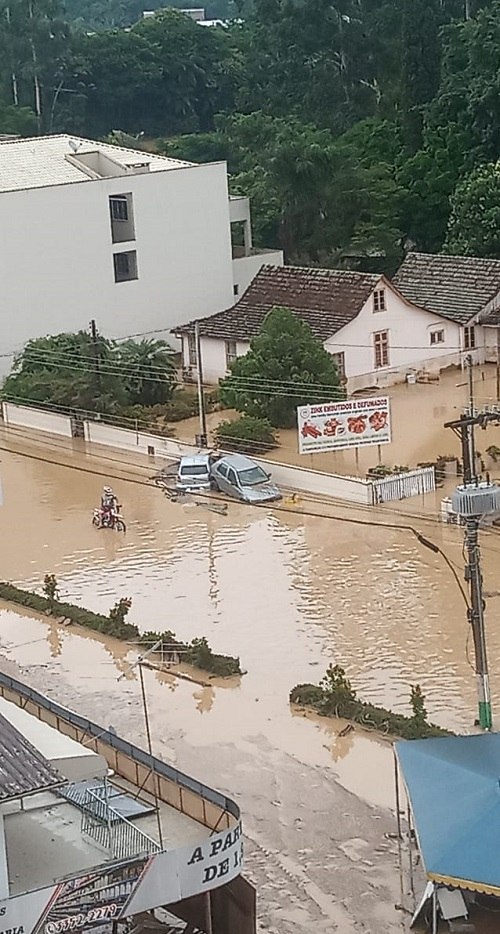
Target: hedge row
[(197, 653), (334, 697)]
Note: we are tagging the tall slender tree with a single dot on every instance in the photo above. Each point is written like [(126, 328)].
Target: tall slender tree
[(421, 53)]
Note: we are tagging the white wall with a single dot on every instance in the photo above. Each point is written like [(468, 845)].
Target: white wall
[(409, 342), (245, 268), (56, 261), (36, 419)]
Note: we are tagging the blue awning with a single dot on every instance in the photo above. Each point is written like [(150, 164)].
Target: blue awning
[(453, 785)]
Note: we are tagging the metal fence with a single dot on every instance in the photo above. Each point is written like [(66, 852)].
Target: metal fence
[(56, 715), (400, 486), (111, 830)]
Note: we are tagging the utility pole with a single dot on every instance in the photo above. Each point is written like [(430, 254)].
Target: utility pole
[(95, 349), (138, 664), (201, 398), (474, 499)]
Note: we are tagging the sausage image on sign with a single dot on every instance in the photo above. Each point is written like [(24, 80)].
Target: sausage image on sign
[(378, 420), (332, 426), (309, 430), (357, 424)]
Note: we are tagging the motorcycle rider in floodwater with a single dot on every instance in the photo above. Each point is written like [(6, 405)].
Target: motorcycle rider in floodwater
[(109, 504)]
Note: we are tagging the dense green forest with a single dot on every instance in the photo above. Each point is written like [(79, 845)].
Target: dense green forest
[(359, 128)]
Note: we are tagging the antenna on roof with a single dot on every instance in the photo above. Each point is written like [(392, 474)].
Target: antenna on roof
[(74, 146)]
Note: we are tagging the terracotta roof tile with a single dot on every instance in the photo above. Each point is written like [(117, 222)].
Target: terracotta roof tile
[(455, 287), (327, 299)]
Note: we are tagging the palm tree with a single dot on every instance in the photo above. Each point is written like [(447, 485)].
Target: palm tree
[(149, 370)]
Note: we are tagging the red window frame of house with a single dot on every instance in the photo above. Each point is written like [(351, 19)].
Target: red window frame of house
[(379, 303), (469, 337), (381, 348)]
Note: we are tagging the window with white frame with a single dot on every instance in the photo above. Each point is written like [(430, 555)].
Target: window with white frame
[(339, 361), (192, 350), (231, 353), (379, 300), (469, 337), (437, 337), (381, 348)]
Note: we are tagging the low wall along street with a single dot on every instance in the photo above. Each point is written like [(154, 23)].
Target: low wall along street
[(336, 486)]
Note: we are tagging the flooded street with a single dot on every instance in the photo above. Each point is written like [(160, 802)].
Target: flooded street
[(418, 414), (289, 593)]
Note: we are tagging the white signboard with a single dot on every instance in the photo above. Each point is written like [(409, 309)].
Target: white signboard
[(353, 423), (119, 890)]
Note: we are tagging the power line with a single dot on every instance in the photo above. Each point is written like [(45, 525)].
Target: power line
[(276, 508)]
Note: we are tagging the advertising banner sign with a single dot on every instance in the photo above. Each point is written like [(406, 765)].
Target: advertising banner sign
[(333, 426), (122, 889)]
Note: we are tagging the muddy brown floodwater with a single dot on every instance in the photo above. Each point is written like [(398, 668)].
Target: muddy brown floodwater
[(289, 594), (418, 414)]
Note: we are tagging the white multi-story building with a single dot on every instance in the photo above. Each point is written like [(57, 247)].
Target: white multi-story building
[(136, 241)]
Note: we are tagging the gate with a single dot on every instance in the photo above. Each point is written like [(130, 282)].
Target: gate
[(402, 485)]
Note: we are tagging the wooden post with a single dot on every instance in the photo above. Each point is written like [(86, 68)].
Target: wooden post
[(498, 364)]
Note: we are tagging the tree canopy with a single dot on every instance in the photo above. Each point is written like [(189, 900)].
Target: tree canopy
[(73, 371), (350, 123), (285, 367)]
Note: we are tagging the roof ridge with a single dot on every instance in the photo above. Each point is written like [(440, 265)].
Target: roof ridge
[(451, 256), (320, 270)]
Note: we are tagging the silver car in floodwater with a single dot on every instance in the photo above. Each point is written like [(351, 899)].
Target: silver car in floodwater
[(193, 473), (242, 478)]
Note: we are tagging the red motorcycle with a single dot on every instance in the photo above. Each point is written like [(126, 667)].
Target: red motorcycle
[(108, 519)]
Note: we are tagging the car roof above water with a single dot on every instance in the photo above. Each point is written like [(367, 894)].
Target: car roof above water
[(194, 460), (238, 461)]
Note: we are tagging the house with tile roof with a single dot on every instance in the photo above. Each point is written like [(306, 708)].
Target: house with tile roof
[(134, 240), (376, 334), (461, 289)]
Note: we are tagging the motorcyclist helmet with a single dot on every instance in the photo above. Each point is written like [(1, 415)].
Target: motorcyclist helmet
[(108, 490)]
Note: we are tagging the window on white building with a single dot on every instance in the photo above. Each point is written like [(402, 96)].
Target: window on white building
[(381, 348), (379, 300), (236, 290), (437, 337), (469, 338), (339, 361), (122, 218), (192, 350), (231, 354), (125, 265)]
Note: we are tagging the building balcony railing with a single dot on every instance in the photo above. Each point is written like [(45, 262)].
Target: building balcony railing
[(107, 827)]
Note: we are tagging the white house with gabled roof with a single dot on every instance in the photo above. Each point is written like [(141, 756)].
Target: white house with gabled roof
[(134, 240), (375, 333)]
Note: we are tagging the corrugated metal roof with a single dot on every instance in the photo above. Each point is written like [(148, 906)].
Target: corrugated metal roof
[(327, 299), (23, 770), (455, 287), (41, 160)]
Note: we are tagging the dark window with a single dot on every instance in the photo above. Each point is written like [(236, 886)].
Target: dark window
[(122, 218), (125, 266), (231, 354), (469, 338), (119, 208), (437, 337), (236, 289), (192, 350), (379, 300), (339, 361), (381, 348)]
